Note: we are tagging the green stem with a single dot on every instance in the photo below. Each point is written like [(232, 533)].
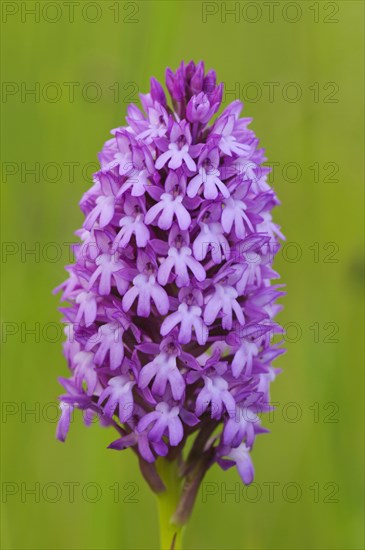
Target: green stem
[(170, 532)]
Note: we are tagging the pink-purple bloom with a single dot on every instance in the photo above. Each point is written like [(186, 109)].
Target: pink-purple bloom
[(171, 300)]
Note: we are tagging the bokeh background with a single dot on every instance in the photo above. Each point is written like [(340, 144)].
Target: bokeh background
[(309, 477)]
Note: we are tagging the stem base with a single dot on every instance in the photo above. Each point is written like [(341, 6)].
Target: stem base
[(170, 532)]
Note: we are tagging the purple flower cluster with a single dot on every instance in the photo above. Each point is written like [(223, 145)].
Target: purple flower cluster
[(170, 302)]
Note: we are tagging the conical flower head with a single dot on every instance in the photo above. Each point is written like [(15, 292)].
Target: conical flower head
[(171, 296)]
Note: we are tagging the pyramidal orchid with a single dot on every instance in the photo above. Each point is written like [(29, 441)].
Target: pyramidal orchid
[(170, 317)]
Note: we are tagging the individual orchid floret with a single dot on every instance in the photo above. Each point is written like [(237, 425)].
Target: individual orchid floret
[(200, 108), (241, 427), (151, 125), (164, 370), (223, 301), (224, 127), (180, 258), (240, 456), (215, 393), (246, 343), (147, 449), (118, 394), (140, 172), (88, 306), (211, 239), (179, 149), (132, 224), (104, 209), (85, 371), (208, 176), (108, 264), (108, 342), (123, 155), (235, 214), (166, 421), (170, 206), (64, 421), (146, 288), (188, 316)]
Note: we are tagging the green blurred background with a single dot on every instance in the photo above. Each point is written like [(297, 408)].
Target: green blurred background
[(308, 491)]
